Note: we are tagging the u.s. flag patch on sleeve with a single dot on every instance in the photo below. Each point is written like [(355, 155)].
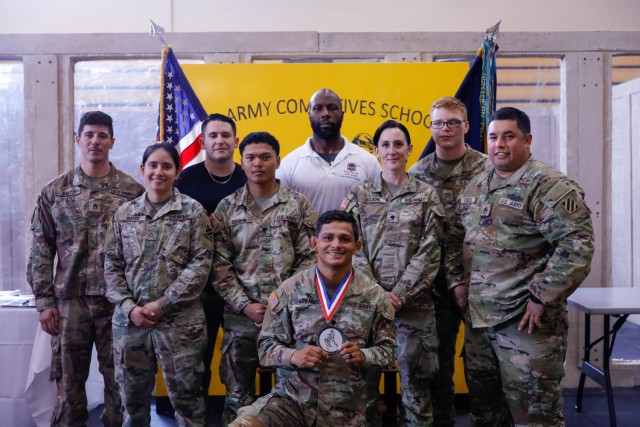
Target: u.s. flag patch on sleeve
[(273, 300), (344, 204), (215, 222)]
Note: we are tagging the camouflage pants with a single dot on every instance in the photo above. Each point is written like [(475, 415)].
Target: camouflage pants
[(513, 376), (281, 411), (238, 364), (246, 421), (213, 306), (83, 321), (178, 350), (448, 318), (417, 356), (254, 409), (275, 411)]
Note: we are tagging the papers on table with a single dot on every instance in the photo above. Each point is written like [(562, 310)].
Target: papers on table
[(16, 298)]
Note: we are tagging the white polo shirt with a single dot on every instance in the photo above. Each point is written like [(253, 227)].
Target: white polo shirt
[(327, 185)]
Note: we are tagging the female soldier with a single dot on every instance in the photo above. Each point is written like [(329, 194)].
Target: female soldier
[(157, 261), (400, 220)]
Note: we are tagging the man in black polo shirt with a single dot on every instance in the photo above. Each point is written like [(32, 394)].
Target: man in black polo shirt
[(209, 182)]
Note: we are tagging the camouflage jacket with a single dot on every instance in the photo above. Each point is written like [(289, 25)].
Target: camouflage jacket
[(334, 394), (255, 252), (164, 257), (531, 235), (70, 220), (449, 186), (401, 235)]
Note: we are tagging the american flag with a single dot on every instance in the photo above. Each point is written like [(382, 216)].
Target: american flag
[(180, 113)]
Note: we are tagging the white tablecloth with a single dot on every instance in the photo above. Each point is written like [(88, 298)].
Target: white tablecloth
[(27, 398)]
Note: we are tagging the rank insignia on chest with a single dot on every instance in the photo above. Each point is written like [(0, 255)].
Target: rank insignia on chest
[(485, 209), (273, 300)]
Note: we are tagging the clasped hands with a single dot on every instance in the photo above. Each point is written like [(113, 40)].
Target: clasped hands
[(314, 357), (146, 316)]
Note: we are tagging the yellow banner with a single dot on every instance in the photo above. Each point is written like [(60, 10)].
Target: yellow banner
[(275, 97)]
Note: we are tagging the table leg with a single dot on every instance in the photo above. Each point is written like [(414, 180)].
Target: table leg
[(601, 376), (587, 351), (605, 368)]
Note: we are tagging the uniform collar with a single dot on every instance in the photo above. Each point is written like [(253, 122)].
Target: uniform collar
[(377, 186), (246, 199), (81, 179), (515, 178), (466, 163), (174, 204)]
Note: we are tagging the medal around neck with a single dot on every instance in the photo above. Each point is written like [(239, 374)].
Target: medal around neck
[(330, 339), (330, 305)]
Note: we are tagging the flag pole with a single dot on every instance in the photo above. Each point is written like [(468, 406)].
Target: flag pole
[(488, 86), (493, 32), (477, 91), (180, 112), (156, 32)]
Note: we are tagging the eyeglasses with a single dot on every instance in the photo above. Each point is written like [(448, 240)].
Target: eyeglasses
[(453, 123)]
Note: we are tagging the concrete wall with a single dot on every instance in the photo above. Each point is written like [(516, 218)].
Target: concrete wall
[(131, 16)]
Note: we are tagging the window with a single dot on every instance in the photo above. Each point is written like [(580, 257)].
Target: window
[(127, 90), (12, 217), (624, 68), (532, 84)]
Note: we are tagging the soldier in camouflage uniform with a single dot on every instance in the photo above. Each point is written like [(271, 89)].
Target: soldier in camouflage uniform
[(323, 389), (400, 220), (157, 260), (69, 222), (528, 244), (449, 169), (262, 236)]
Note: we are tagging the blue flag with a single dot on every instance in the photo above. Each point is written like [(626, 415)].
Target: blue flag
[(478, 93), (180, 113)]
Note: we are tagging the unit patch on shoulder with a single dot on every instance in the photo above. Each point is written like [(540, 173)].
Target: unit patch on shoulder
[(570, 204), (344, 204), (208, 232)]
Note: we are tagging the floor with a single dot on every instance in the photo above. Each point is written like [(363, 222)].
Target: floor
[(627, 344), (594, 412)]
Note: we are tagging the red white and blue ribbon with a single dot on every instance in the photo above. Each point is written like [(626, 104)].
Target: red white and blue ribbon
[(329, 307)]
